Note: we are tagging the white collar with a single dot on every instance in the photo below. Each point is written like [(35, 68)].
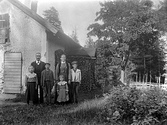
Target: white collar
[(77, 70), (63, 61), (62, 83), (31, 74), (38, 61)]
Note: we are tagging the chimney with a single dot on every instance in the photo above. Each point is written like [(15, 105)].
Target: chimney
[(34, 6)]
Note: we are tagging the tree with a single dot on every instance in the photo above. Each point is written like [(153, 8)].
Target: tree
[(90, 43), (52, 16), (149, 58), (123, 23), (74, 36)]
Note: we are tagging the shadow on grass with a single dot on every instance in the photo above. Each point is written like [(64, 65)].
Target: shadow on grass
[(19, 98), (84, 113), (81, 97)]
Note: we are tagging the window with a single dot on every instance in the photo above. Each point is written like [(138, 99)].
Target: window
[(4, 28)]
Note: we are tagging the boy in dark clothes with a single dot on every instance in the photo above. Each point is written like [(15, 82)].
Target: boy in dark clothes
[(47, 82)]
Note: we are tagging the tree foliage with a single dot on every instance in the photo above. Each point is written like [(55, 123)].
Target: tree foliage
[(74, 36), (52, 16), (128, 27), (90, 43), (149, 57)]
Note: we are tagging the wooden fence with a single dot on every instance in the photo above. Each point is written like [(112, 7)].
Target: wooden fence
[(148, 85)]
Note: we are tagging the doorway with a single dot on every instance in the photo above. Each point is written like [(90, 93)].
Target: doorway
[(58, 53)]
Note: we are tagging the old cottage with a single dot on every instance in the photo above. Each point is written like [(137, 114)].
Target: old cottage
[(22, 34)]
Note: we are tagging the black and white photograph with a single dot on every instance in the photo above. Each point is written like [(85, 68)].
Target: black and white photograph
[(83, 62)]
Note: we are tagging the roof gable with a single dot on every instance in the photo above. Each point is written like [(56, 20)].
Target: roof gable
[(91, 51), (33, 15), (55, 34)]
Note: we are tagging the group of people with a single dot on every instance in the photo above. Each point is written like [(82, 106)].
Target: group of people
[(64, 86)]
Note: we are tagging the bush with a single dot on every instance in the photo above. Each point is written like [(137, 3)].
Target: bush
[(136, 107), (121, 106)]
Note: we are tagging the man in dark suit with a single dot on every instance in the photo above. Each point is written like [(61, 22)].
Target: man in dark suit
[(39, 66)]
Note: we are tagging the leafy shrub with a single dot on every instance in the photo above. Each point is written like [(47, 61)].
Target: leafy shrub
[(122, 106), (136, 107)]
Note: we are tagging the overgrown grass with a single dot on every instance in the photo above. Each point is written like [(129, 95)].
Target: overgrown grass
[(78, 114), (123, 106), (82, 96), (84, 113)]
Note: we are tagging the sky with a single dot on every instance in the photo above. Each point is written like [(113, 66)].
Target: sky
[(73, 14)]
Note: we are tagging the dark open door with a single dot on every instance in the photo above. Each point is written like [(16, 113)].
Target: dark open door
[(58, 53)]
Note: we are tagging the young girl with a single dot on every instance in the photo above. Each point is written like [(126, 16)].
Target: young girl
[(62, 90), (31, 83)]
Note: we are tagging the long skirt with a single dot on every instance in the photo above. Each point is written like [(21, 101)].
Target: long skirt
[(32, 93), (62, 95), (40, 90), (68, 94)]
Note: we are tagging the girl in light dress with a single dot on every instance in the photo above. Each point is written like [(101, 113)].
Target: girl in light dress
[(31, 82), (62, 90)]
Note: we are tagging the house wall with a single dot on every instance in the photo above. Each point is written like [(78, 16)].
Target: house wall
[(26, 36), (1, 66), (51, 48)]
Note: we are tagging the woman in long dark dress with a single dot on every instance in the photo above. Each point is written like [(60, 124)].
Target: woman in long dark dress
[(31, 82)]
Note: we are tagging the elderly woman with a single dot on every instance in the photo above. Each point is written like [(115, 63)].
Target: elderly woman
[(63, 68)]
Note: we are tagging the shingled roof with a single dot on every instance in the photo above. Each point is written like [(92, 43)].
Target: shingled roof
[(54, 33)]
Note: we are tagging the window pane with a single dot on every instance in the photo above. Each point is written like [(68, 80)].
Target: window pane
[(6, 18), (1, 24)]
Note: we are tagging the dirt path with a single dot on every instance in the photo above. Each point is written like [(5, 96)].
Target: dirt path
[(4, 97), (14, 99)]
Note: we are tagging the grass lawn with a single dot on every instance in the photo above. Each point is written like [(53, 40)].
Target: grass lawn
[(84, 113)]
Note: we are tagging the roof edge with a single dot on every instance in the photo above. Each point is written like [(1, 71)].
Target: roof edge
[(33, 15)]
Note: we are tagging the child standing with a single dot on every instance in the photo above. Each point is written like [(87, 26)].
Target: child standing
[(47, 82), (31, 82), (76, 81), (62, 90)]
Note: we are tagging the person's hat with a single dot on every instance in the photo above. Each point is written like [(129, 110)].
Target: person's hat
[(47, 64), (74, 62)]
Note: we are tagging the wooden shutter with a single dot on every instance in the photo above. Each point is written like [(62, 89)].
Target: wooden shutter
[(3, 34), (4, 28), (12, 73)]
